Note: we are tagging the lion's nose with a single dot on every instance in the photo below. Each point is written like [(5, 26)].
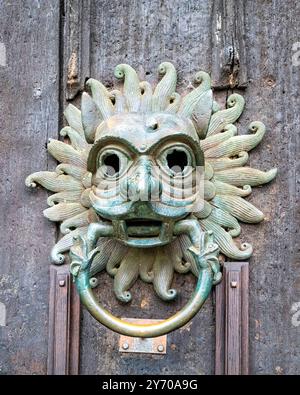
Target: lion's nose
[(142, 185)]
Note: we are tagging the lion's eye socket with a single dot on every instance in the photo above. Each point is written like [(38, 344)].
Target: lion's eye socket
[(177, 160), (112, 163)]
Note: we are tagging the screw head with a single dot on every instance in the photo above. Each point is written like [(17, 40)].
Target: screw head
[(160, 348), (125, 346), (61, 283)]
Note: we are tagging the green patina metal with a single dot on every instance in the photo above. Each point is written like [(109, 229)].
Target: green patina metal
[(118, 190)]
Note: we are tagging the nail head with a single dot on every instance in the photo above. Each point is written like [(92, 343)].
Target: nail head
[(233, 284), (61, 283), (125, 346), (160, 348)]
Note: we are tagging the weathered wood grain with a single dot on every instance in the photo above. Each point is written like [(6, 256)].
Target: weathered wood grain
[(28, 117), (146, 33), (273, 97), (75, 46), (229, 66)]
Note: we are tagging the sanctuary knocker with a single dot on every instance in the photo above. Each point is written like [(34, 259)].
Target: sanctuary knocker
[(151, 182)]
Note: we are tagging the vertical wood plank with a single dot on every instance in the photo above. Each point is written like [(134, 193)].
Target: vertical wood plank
[(64, 319), (275, 279), (229, 68), (76, 46), (29, 80), (232, 320), (64, 303)]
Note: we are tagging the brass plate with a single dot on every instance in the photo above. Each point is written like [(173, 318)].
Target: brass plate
[(153, 345)]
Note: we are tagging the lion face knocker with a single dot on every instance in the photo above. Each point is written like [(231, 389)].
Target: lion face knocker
[(151, 183), (144, 175)]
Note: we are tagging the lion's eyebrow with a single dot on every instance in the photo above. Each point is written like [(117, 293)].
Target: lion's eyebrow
[(91, 165), (176, 139)]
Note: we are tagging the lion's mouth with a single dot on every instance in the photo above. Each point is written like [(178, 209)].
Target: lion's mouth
[(141, 226), (144, 232)]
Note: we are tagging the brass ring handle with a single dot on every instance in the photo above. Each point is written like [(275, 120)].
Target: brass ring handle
[(204, 251), (203, 288)]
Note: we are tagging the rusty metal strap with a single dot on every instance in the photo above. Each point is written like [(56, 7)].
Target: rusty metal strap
[(232, 320), (64, 324)]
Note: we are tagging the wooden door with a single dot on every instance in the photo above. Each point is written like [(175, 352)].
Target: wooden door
[(47, 51)]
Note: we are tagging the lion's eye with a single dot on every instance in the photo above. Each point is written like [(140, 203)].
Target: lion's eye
[(112, 163), (176, 160)]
